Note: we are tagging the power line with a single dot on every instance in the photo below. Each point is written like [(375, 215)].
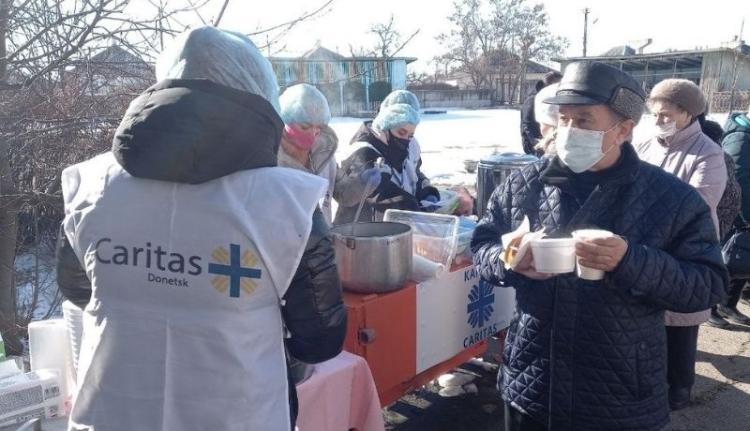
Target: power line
[(586, 12)]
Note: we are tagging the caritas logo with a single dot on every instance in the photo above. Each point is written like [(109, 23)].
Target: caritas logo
[(234, 270), (480, 309)]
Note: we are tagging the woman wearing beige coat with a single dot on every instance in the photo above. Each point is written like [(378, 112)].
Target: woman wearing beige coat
[(679, 146)]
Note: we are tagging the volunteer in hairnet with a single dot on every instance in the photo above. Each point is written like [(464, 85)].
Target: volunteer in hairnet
[(385, 154), (308, 143), (201, 253)]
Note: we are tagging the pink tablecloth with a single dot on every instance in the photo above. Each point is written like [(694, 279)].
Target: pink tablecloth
[(340, 396)]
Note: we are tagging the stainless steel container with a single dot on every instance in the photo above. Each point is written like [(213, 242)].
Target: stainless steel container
[(492, 172), (375, 257)]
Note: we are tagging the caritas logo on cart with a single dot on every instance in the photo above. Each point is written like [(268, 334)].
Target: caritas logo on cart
[(479, 309)]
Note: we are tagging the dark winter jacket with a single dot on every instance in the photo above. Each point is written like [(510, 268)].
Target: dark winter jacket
[(530, 130), (729, 206), (583, 355), (388, 195), (218, 123), (736, 143), (731, 201)]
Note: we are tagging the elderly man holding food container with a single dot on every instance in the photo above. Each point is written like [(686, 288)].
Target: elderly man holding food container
[(598, 245)]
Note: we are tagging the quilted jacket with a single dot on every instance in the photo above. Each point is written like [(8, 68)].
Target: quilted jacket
[(591, 355)]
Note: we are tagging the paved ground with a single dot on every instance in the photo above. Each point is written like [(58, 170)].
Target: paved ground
[(721, 396)]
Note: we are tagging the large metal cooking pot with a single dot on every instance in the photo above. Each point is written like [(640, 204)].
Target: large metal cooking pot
[(375, 258), (492, 172)]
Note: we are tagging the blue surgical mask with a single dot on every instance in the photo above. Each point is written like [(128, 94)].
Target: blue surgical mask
[(580, 149)]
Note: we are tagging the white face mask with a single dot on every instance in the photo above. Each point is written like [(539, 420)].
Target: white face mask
[(580, 149), (665, 130)]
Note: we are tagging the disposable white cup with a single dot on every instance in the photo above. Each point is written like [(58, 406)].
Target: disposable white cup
[(585, 272), (554, 255)]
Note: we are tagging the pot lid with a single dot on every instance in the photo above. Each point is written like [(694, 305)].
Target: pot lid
[(509, 159)]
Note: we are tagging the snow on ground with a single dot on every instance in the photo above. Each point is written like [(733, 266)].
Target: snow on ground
[(449, 139)]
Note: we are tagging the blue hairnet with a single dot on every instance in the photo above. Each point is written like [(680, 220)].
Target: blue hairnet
[(303, 103), (223, 57), (401, 96), (394, 116)]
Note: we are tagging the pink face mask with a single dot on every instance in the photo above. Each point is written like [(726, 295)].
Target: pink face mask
[(299, 138)]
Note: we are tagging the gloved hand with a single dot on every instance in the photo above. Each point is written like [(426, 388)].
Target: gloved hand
[(371, 177), (429, 203)]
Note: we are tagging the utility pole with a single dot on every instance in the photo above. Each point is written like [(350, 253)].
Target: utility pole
[(586, 12), (734, 68)]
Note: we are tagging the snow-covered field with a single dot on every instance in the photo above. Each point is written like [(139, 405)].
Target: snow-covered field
[(449, 139)]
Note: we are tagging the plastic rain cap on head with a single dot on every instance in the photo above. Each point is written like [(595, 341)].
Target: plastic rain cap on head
[(401, 96), (545, 113), (223, 57), (303, 103), (394, 116)]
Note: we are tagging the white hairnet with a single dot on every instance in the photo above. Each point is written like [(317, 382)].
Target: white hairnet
[(401, 96), (394, 116), (545, 113), (223, 57), (303, 103)]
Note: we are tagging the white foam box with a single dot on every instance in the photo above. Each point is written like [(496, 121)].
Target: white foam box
[(30, 395)]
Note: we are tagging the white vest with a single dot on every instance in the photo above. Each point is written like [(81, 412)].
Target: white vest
[(184, 329)]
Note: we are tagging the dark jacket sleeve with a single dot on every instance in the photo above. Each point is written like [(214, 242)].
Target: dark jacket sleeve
[(689, 276), (386, 196), (72, 280), (349, 187), (313, 310), (486, 244), (737, 145), (530, 131)]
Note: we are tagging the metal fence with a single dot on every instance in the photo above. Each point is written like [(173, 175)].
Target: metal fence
[(722, 101)]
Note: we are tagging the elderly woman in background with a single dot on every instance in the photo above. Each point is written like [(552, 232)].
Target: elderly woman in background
[(308, 143), (679, 146)]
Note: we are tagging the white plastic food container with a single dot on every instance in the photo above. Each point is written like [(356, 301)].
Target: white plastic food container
[(554, 255)]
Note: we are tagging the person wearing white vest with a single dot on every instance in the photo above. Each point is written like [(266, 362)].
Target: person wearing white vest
[(194, 254)]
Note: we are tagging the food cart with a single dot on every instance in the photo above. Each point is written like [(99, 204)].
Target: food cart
[(413, 334)]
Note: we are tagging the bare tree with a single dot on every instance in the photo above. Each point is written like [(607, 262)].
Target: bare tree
[(389, 42), (534, 40), (68, 69), (494, 40), (276, 34), (469, 41)]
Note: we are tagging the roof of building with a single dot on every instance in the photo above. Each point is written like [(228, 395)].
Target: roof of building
[(322, 54), (117, 55), (680, 59)]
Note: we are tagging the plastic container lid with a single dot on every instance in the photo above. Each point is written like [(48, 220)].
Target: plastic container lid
[(448, 201), (509, 159), (434, 236), (553, 242)]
